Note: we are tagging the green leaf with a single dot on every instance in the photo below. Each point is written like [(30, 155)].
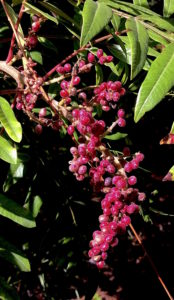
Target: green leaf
[(34, 10), (36, 56), (168, 8), (99, 74), (10, 253), (172, 129), (116, 136), (138, 38), (13, 211), (16, 2), (37, 203), (95, 17), (115, 21), (59, 13), (7, 152), (141, 3), (159, 22), (14, 18), (157, 83), (158, 38), (7, 292), (47, 44), (129, 7), (9, 121)]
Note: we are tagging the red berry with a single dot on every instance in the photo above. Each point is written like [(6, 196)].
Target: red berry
[(42, 112), (121, 113), (76, 80), (60, 70), (64, 93), (36, 26), (67, 67), (99, 53), (32, 41), (38, 129), (132, 180), (91, 57), (70, 129), (121, 122)]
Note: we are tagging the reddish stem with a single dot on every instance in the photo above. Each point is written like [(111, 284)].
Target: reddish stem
[(151, 262), (75, 53), (10, 53), (7, 92)]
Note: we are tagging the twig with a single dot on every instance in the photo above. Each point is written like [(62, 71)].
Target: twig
[(151, 262), (10, 53)]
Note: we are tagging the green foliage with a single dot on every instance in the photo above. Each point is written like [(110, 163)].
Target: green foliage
[(7, 152), (138, 38), (92, 21), (157, 83), (13, 211), (9, 121), (10, 253)]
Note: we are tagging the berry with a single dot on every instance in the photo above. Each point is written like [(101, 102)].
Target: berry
[(36, 26), (60, 70), (38, 129), (132, 180), (32, 41), (91, 57), (42, 112), (76, 80), (64, 93), (67, 67), (70, 129), (121, 113), (99, 53), (121, 122)]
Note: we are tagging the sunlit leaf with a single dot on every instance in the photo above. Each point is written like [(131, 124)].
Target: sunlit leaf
[(138, 38), (34, 10), (13, 211), (168, 8), (13, 255), (93, 23), (116, 136), (157, 83), (7, 152), (9, 121)]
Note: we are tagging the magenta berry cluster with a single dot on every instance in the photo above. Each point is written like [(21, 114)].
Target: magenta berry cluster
[(108, 94), (108, 173)]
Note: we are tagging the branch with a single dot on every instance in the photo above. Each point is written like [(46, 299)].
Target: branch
[(18, 77)]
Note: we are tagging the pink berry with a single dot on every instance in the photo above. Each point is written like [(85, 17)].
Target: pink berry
[(60, 70), (19, 106), (100, 264), (64, 93), (36, 26), (132, 180), (38, 129), (109, 58), (76, 80), (102, 60), (42, 112), (99, 53), (121, 113), (67, 67), (121, 122), (32, 41), (70, 129), (91, 57), (82, 170), (81, 63)]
